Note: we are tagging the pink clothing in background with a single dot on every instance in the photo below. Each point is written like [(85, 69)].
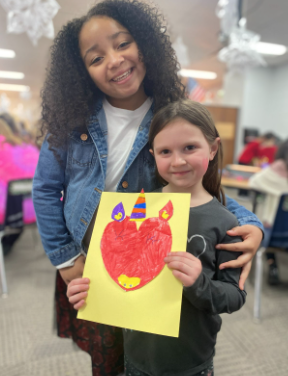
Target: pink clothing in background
[(17, 162), (280, 168)]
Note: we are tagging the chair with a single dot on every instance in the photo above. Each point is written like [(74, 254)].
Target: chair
[(13, 222), (275, 237)]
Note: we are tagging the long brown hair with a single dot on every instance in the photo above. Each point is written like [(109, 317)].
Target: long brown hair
[(6, 131), (196, 114)]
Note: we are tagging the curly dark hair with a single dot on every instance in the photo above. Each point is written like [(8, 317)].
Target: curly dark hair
[(69, 93)]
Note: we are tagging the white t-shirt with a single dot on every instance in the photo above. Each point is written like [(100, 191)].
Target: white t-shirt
[(122, 130)]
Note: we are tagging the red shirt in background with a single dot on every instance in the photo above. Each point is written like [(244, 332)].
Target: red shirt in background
[(255, 150), (250, 151), (267, 153)]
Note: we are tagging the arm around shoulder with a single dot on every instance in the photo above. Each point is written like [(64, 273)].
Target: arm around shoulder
[(244, 216), (216, 296)]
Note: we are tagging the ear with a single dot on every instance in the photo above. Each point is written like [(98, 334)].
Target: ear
[(151, 151), (214, 148)]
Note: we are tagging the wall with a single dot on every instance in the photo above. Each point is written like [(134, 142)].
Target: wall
[(264, 103), (279, 110)]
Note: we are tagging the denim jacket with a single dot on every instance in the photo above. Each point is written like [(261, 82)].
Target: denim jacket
[(63, 224)]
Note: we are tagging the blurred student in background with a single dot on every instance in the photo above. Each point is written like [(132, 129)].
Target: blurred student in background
[(273, 181), (18, 160), (260, 151)]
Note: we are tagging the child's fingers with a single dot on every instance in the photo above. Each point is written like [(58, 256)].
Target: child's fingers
[(244, 274), (79, 281), (183, 278), (180, 266), (185, 269), (181, 257), (179, 253), (79, 305), (78, 297), (72, 290)]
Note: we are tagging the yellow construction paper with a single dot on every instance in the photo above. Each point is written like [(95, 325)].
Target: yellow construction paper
[(154, 308)]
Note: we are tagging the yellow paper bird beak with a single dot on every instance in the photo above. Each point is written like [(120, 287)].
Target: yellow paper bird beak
[(165, 214), (118, 216), (128, 282)]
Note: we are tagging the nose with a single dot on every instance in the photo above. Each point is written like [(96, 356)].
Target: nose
[(115, 59), (177, 160)]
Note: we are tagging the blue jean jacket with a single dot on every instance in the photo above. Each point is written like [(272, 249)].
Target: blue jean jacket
[(81, 176)]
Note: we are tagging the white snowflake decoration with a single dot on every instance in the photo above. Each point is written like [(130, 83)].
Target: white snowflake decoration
[(241, 52), (31, 16), (227, 11)]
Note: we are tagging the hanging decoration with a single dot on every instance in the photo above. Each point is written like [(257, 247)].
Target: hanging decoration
[(240, 53), (227, 11), (31, 16)]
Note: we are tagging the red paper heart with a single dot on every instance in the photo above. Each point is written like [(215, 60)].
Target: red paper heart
[(134, 257)]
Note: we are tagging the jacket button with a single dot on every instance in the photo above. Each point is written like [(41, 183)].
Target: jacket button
[(125, 184), (83, 136)]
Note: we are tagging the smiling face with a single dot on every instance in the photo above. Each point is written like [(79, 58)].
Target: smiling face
[(111, 57), (182, 155)]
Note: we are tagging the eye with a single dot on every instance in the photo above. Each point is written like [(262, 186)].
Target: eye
[(124, 44), (96, 60), (190, 147), (165, 151), (130, 285)]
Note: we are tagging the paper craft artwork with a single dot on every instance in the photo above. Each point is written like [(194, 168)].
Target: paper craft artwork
[(135, 257), (139, 210), (130, 286)]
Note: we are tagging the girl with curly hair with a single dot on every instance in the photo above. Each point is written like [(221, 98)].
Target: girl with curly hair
[(110, 71)]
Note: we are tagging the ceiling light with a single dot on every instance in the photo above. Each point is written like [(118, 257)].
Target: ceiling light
[(11, 87), (198, 74), (13, 75), (7, 53), (270, 48)]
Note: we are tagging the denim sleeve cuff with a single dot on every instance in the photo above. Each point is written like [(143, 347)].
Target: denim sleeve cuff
[(71, 262), (64, 254), (252, 220)]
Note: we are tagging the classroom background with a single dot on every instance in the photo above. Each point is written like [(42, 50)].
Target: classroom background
[(234, 60)]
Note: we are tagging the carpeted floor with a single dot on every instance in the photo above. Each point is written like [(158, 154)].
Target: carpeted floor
[(29, 346)]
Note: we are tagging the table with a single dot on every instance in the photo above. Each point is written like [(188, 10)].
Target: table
[(243, 168), (237, 176)]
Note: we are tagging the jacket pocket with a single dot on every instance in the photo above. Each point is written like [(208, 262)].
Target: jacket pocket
[(81, 149)]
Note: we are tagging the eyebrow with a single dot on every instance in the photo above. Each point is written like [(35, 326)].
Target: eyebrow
[(111, 37)]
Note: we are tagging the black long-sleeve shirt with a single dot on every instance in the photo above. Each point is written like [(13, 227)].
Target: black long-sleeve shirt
[(214, 292)]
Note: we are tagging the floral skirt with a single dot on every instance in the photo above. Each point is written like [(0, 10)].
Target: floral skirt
[(104, 343)]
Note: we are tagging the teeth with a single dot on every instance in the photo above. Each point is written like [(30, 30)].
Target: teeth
[(119, 78)]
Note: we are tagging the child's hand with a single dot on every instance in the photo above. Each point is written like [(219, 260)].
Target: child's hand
[(75, 271), (77, 292), (252, 237), (184, 266)]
